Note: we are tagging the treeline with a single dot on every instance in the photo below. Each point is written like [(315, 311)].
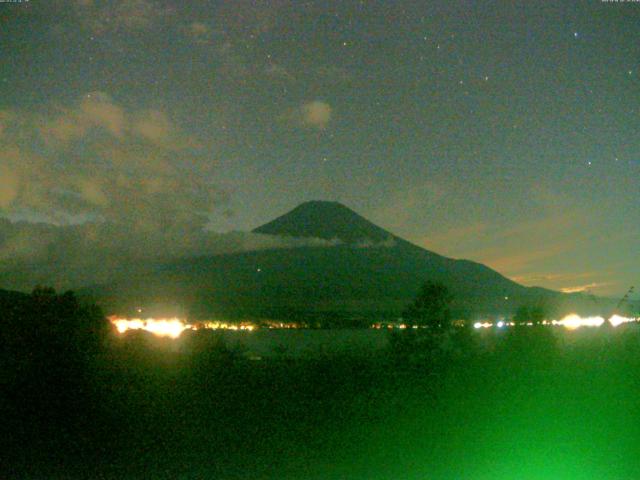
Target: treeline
[(49, 344), (79, 402)]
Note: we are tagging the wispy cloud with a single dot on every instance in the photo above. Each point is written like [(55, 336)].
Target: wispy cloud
[(315, 115), (560, 278), (121, 16), (514, 260), (9, 183), (122, 164), (585, 288), (199, 32), (451, 237), (545, 226), (94, 251)]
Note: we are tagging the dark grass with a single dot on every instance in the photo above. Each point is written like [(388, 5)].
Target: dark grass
[(528, 404)]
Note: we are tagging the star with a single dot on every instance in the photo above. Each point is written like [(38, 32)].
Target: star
[(575, 34)]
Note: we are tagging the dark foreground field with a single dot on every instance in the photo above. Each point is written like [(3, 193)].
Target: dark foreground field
[(528, 405)]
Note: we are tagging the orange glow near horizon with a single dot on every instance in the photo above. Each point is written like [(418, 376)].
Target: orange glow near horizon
[(171, 327), (573, 321), (570, 322), (162, 327)]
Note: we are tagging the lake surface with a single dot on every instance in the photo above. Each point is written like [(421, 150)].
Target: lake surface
[(303, 343), (300, 343), (533, 404)]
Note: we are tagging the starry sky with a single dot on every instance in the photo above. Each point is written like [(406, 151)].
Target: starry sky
[(502, 132)]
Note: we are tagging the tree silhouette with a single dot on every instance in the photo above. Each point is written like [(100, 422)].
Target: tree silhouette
[(50, 351), (431, 306)]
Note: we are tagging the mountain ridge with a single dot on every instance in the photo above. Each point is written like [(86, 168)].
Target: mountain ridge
[(326, 220), (368, 270)]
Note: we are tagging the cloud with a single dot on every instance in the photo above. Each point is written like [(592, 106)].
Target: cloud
[(5, 120), (91, 191), (153, 125), (569, 282), (198, 29), (99, 159), (62, 129), (98, 109), (367, 243), (199, 32), (451, 237), (584, 288), (410, 205), (537, 278), (92, 253), (554, 222), (23, 242), (9, 184), (315, 114), (235, 242), (514, 259), (101, 238), (121, 16), (95, 110)]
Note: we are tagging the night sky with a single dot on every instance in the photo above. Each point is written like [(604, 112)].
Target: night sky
[(502, 132)]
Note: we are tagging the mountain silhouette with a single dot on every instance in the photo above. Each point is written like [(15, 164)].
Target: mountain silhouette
[(365, 272), (325, 220)]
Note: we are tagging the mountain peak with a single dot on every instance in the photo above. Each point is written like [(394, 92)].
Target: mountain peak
[(327, 220)]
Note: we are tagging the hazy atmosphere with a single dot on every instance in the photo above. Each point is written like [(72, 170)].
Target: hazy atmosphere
[(319, 240), (501, 132)]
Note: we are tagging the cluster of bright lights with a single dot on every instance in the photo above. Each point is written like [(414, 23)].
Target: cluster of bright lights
[(499, 324), (224, 326), (171, 327), (478, 325), (618, 320), (570, 322), (391, 326), (161, 327), (573, 321)]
